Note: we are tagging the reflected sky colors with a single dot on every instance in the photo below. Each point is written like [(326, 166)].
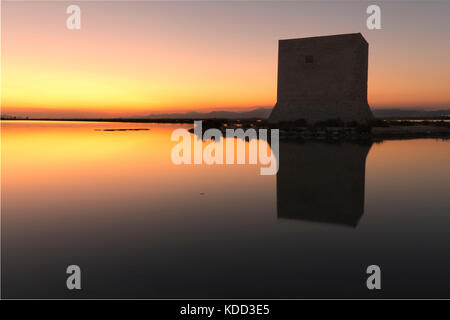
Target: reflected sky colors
[(134, 58), (139, 226)]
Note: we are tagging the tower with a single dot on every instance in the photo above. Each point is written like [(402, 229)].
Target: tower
[(322, 78)]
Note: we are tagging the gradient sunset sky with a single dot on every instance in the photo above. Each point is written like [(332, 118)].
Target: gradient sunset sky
[(136, 58)]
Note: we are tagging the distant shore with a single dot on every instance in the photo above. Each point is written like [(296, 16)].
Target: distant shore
[(129, 120), (335, 130), (332, 130)]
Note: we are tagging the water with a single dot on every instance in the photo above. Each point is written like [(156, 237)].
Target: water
[(139, 226)]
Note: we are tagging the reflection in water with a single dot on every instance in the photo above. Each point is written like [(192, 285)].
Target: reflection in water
[(140, 226), (322, 182)]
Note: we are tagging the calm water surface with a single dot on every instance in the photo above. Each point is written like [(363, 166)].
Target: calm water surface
[(139, 226)]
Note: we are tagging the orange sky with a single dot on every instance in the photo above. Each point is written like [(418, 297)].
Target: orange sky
[(148, 57)]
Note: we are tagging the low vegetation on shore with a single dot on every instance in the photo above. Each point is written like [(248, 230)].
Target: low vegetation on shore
[(336, 129)]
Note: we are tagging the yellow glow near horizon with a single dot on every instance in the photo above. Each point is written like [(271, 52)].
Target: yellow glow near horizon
[(164, 57)]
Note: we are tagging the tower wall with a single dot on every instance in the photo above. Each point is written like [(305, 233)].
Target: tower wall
[(322, 78)]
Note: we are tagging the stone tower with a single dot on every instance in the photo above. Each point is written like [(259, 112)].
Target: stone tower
[(322, 78)]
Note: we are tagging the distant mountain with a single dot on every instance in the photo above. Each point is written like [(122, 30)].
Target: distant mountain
[(9, 117), (263, 113), (259, 113), (410, 113)]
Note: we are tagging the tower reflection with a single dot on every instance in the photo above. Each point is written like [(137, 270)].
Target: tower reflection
[(322, 182)]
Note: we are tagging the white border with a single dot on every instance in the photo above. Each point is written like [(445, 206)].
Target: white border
[(180, 299)]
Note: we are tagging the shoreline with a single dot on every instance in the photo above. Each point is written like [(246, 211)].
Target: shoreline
[(335, 131), (330, 131)]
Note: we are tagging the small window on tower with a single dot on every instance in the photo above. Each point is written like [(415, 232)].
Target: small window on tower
[(309, 59)]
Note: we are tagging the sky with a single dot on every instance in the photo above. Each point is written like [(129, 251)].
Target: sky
[(143, 57)]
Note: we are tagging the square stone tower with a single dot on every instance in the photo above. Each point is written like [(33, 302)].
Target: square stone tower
[(322, 78)]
